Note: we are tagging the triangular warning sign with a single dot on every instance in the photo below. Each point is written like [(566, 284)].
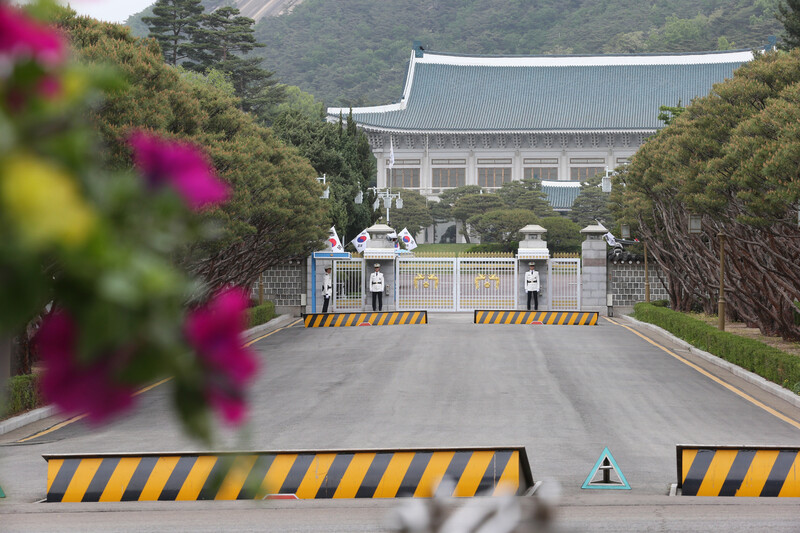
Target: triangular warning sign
[(603, 468)]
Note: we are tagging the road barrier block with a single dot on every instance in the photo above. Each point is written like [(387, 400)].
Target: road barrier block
[(306, 474), (550, 318), (739, 471), (379, 318)]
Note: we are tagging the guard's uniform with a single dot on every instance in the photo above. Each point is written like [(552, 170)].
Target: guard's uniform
[(532, 288), (376, 285), (327, 291)]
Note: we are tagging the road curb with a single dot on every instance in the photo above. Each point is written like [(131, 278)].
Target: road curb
[(750, 377), (16, 422)]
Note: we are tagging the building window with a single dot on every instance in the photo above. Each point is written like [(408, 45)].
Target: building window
[(623, 160), (584, 173), (443, 178), (403, 178), (493, 177), (541, 173)]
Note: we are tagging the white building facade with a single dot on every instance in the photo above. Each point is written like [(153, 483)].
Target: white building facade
[(488, 120)]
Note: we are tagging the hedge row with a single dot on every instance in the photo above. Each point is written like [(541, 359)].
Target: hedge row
[(23, 394), (766, 361), (260, 314)]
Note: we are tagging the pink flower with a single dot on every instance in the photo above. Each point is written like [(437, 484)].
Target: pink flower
[(214, 331), (74, 387), (22, 38), (180, 165)]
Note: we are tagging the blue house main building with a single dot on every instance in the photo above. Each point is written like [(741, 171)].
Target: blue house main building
[(486, 120)]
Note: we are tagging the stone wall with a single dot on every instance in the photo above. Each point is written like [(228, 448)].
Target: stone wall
[(626, 283), (284, 285)]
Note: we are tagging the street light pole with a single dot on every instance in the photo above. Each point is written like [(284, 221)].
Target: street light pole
[(721, 302)]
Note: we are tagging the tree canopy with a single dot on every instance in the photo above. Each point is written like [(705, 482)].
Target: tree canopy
[(275, 213), (730, 157)]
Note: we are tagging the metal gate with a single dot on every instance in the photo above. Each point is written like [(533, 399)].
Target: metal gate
[(456, 284), (564, 283), (348, 286)]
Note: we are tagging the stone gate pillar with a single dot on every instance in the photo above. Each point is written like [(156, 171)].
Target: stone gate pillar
[(593, 269)]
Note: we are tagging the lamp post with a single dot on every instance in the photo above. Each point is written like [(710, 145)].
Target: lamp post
[(387, 196), (695, 226)]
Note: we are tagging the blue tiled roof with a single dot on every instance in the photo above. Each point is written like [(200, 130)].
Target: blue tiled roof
[(575, 93), (562, 195)]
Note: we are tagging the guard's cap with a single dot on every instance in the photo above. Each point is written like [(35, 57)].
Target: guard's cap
[(377, 265), (531, 263), (327, 268)]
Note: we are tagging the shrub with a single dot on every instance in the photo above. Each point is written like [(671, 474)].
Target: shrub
[(260, 314), (23, 394), (766, 361)]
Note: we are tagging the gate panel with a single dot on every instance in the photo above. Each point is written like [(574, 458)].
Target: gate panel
[(487, 283), (348, 286), (565, 284), (426, 283)]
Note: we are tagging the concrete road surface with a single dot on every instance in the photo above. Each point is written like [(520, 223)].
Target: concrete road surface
[(563, 392)]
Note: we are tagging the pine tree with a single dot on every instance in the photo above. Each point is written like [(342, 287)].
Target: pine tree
[(221, 42), (789, 15), (222, 35), (172, 25)]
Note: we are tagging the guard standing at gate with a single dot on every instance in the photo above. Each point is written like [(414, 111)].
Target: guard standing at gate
[(327, 289), (532, 286), (376, 284)]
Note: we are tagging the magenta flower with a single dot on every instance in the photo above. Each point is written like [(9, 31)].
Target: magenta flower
[(21, 38), (73, 387), (214, 331), (179, 165)]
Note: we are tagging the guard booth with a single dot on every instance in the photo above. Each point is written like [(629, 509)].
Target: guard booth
[(319, 261)]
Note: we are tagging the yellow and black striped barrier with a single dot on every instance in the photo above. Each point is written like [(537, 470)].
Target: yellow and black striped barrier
[(302, 474), (551, 318), (378, 318), (739, 471)]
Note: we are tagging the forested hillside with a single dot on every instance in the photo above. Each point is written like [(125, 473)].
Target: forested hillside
[(355, 52)]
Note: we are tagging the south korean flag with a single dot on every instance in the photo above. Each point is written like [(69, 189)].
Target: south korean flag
[(361, 240), (407, 239), (333, 240)]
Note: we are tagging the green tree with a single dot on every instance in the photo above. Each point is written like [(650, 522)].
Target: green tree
[(469, 205), (732, 159), (525, 194), (172, 25), (443, 210), (275, 213), (789, 15), (343, 156), (222, 41), (668, 114), (563, 235), (415, 214), (591, 204), (502, 226)]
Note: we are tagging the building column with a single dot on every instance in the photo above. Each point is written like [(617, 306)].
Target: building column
[(593, 269)]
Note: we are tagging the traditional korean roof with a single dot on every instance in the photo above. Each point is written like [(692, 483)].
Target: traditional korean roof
[(448, 93), (561, 194)]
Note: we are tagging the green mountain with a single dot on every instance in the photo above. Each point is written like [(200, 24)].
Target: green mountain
[(355, 52)]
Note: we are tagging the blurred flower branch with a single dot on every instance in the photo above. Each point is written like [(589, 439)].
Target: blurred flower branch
[(93, 250)]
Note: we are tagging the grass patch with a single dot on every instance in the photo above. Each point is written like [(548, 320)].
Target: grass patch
[(766, 361), (453, 249), (260, 314)]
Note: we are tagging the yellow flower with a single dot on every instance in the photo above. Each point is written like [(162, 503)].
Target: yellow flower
[(43, 202)]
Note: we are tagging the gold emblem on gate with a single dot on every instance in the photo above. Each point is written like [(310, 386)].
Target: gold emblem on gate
[(487, 282), (425, 282)]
